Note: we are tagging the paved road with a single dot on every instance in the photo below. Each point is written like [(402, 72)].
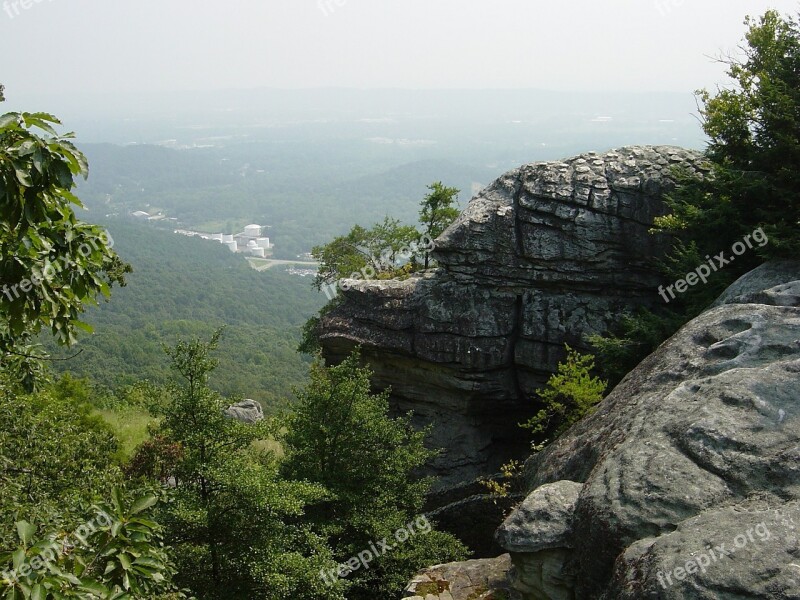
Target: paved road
[(263, 265)]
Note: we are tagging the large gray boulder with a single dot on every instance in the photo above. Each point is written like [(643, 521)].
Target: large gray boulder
[(539, 534), (691, 466), (246, 411), (547, 254), (543, 520)]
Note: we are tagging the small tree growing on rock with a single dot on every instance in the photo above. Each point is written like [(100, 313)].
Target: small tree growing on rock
[(569, 395), (437, 211)]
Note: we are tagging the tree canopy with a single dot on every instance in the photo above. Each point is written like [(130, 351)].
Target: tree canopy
[(376, 252), (751, 184), (341, 437), (235, 525), (753, 153)]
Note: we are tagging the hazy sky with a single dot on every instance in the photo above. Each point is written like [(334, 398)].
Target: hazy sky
[(56, 46)]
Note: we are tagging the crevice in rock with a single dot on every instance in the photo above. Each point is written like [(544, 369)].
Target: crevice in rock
[(519, 246), (516, 334)]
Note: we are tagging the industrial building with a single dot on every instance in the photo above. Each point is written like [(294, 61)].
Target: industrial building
[(249, 242)]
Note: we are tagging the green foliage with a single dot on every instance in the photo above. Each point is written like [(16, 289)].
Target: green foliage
[(638, 335), (437, 211), (156, 458), (388, 576), (310, 344), (388, 250), (341, 437), (56, 459), (131, 427), (366, 253), (751, 181), (385, 251), (51, 264), (56, 464), (116, 554), (235, 525), (379, 252), (124, 413), (570, 394), (503, 486), (754, 131), (685, 258)]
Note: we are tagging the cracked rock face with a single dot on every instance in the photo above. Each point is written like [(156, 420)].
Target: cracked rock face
[(547, 254), (691, 466)]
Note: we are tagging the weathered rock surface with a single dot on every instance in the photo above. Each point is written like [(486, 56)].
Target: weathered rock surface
[(470, 580), (246, 411), (543, 520), (538, 533), (690, 468), (771, 283), (548, 253)]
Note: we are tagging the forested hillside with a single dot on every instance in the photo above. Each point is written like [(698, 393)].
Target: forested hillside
[(183, 287)]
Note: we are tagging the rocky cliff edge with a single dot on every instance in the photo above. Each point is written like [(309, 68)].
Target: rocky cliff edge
[(547, 254)]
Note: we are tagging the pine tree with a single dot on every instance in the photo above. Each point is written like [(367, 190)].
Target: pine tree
[(342, 437)]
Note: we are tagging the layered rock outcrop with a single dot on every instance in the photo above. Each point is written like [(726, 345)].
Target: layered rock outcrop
[(547, 254), (686, 481)]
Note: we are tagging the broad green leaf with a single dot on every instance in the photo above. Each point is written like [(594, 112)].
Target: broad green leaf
[(84, 326), (117, 501), (95, 588), (18, 558), (26, 531), (124, 561), (143, 504), (8, 118)]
